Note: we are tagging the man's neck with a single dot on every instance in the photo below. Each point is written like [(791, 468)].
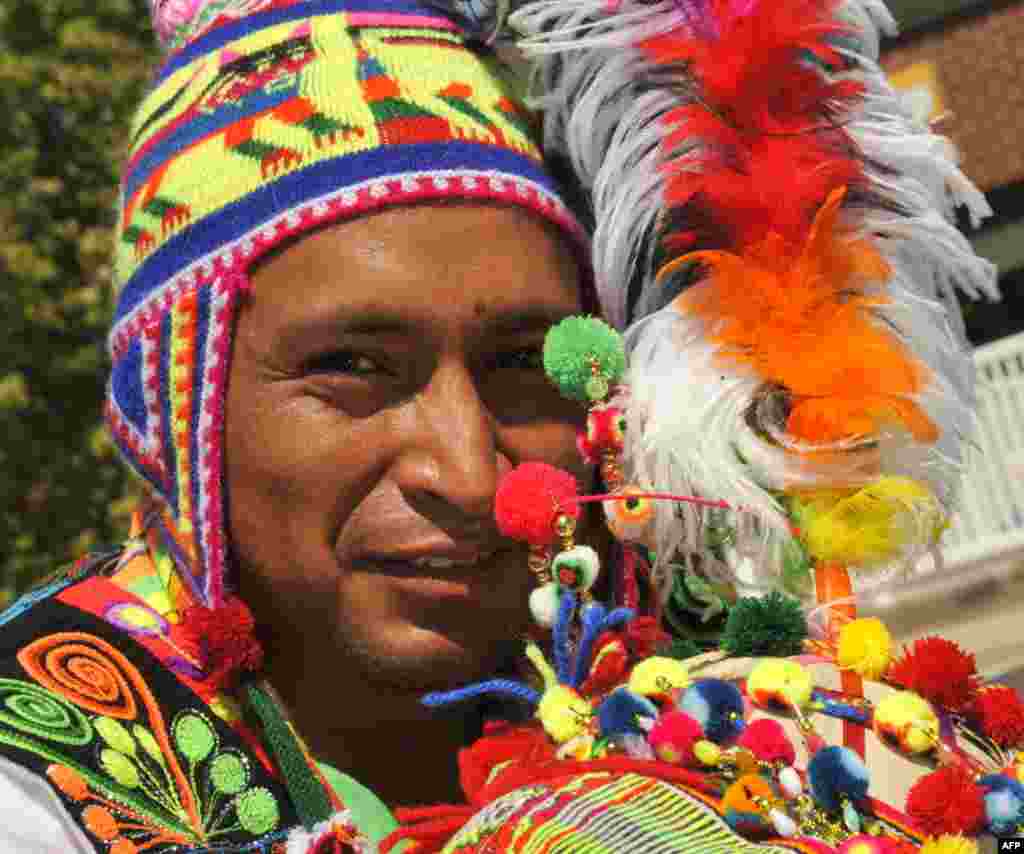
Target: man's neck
[(404, 753)]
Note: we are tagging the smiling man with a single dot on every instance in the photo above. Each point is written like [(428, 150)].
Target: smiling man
[(338, 254), (367, 430)]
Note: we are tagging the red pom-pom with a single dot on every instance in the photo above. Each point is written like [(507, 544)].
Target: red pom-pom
[(225, 637), (947, 801), (767, 740), (998, 712), (529, 500), (609, 665), (501, 744), (673, 736), (939, 671), (644, 636)]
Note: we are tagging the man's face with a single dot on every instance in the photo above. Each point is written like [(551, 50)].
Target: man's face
[(386, 373)]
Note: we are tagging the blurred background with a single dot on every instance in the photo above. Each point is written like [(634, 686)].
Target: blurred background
[(71, 72)]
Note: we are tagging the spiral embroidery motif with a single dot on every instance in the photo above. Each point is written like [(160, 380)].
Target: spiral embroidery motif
[(85, 670), (32, 710)]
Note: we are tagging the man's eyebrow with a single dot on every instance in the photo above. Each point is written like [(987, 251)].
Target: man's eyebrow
[(384, 322), (347, 322)]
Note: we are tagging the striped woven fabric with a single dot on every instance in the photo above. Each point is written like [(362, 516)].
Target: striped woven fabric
[(601, 813)]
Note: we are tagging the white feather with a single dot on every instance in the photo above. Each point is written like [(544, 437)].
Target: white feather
[(688, 430)]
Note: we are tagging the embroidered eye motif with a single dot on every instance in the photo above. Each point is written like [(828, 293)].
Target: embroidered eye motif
[(629, 519), (576, 568)]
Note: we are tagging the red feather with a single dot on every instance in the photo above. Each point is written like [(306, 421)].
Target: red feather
[(753, 64), (739, 182), (765, 119)]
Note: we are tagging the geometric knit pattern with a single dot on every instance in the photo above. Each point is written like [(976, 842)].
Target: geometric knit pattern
[(301, 114)]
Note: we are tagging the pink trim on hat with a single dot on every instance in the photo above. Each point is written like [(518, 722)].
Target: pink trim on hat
[(385, 19), (346, 203)]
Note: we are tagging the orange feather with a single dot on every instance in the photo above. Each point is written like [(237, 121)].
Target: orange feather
[(803, 317)]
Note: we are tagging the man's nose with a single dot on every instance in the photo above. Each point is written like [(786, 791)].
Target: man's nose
[(451, 454)]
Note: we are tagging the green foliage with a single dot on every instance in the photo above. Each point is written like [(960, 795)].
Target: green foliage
[(71, 74), (772, 625)]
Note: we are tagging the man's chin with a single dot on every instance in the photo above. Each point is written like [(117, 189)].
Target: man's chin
[(420, 659)]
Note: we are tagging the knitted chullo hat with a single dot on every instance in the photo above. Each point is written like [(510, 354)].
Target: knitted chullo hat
[(267, 119)]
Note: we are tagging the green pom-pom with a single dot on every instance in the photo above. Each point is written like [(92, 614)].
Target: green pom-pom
[(680, 649), (573, 349), (774, 625)]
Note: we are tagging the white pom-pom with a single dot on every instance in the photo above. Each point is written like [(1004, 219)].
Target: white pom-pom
[(790, 782), (783, 824), (544, 605)]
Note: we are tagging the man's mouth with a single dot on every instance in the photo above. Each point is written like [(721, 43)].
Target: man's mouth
[(453, 559), (440, 562)]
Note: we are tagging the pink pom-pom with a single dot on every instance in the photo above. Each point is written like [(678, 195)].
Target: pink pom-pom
[(862, 843), (767, 740), (529, 500), (673, 736), (172, 17), (178, 22)]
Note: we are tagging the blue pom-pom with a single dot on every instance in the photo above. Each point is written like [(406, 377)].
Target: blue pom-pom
[(618, 714), (717, 706), (1004, 803), (835, 772)]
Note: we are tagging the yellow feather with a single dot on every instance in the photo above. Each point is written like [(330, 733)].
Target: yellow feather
[(874, 525)]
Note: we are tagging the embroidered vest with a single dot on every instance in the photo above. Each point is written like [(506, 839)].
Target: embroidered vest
[(99, 697)]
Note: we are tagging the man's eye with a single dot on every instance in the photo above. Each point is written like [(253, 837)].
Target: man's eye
[(342, 361), (524, 359)]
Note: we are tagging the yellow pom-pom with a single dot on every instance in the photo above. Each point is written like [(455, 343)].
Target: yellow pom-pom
[(780, 682), (949, 844), (563, 713), (707, 752), (908, 720), (865, 646), (873, 526), (658, 675)]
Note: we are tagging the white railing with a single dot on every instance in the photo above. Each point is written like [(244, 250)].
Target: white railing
[(989, 524), (986, 536)]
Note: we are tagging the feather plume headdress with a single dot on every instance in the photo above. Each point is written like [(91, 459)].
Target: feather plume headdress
[(774, 236)]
